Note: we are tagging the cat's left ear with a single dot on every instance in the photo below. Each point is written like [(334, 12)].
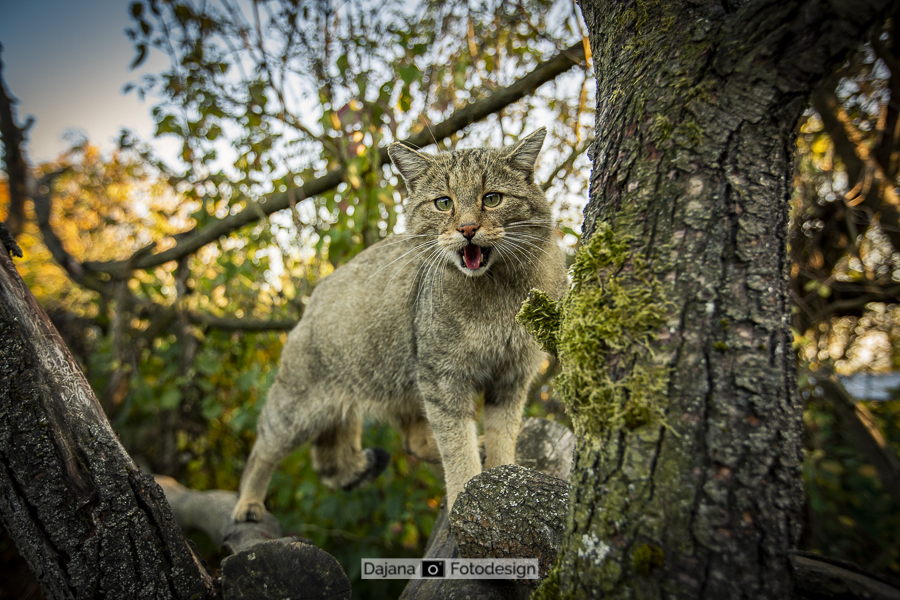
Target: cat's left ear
[(411, 164), (523, 156)]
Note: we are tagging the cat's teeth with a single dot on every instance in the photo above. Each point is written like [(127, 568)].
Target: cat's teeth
[(472, 256)]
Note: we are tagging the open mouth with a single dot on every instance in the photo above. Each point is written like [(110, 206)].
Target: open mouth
[(473, 256)]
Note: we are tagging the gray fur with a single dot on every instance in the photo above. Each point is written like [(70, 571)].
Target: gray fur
[(407, 333)]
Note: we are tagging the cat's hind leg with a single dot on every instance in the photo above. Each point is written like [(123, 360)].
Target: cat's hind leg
[(418, 439), (340, 460), (279, 430)]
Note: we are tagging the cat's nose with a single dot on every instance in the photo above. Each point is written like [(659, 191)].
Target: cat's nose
[(468, 230)]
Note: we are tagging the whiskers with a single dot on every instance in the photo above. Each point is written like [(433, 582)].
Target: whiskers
[(520, 240), (416, 251), (432, 267)]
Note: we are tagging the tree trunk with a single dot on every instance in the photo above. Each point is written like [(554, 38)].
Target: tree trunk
[(87, 520), (677, 367)]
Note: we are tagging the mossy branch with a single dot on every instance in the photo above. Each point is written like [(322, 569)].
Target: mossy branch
[(540, 316)]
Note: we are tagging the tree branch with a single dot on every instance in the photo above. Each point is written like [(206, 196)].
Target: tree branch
[(13, 138), (80, 511), (859, 423), (241, 324), (544, 446), (566, 164), (254, 211), (853, 304)]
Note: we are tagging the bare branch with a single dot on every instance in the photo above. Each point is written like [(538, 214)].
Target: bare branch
[(566, 164), (254, 211), (241, 324)]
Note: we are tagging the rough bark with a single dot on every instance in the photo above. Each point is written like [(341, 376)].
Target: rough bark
[(283, 568), (84, 516), (543, 445), (511, 512), (686, 480), (490, 517)]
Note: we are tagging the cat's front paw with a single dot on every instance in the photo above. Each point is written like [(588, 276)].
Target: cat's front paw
[(248, 510)]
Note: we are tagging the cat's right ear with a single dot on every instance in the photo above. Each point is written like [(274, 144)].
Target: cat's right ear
[(411, 164)]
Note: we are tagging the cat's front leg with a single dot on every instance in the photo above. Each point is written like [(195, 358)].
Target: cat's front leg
[(503, 407), (454, 427)]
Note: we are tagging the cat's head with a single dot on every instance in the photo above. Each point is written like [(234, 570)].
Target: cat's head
[(481, 204)]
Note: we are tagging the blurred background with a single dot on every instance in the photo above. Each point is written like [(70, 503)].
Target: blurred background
[(141, 127)]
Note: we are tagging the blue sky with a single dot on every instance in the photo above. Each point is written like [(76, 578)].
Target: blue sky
[(66, 61)]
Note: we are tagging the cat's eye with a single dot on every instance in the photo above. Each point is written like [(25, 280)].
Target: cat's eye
[(443, 204), (491, 200)]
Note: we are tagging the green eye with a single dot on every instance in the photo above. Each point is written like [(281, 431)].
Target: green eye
[(491, 200), (443, 204)]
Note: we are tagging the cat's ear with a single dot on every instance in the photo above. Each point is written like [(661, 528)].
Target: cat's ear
[(410, 163), (524, 154)]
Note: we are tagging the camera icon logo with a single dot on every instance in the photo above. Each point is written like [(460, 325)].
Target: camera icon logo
[(433, 568)]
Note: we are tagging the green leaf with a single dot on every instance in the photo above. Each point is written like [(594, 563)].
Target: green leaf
[(208, 364), (409, 74), (140, 58), (343, 63), (170, 399)]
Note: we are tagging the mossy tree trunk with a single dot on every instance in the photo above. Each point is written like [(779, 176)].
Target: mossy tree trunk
[(675, 343)]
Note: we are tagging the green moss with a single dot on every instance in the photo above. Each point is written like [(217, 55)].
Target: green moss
[(689, 134), (720, 346), (540, 317), (549, 589), (608, 320), (646, 558), (661, 129), (635, 416)]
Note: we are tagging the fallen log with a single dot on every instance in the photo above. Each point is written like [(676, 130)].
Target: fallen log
[(263, 563)]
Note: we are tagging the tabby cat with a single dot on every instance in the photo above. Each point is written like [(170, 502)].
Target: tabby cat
[(414, 328)]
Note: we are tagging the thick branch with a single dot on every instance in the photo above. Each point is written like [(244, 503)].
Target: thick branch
[(210, 512), (525, 520), (859, 423), (262, 564), (43, 208), (543, 445), (83, 515), (241, 324), (254, 211)]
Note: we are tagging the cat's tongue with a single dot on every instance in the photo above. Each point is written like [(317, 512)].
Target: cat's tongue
[(472, 256)]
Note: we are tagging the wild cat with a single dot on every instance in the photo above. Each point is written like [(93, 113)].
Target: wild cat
[(413, 329)]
